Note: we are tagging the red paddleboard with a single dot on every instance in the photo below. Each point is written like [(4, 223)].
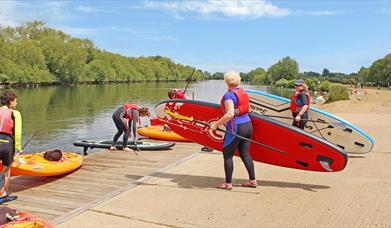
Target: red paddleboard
[(286, 145)]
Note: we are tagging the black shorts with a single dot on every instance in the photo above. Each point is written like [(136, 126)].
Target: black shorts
[(7, 150)]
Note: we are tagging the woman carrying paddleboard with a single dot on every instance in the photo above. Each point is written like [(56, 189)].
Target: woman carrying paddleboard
[(10, 140), (300, 104), (124, 117), (235, 104)]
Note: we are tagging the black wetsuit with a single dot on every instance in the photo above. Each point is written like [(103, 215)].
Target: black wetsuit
[(7, 147), (245, 130), (302, 100), (120, 123)]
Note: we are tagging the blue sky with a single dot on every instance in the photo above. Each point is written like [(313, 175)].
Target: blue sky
[(215, 36)]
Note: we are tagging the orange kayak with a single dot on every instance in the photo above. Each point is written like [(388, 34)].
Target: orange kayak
[(158, 132), (37, 165), (27, 220)]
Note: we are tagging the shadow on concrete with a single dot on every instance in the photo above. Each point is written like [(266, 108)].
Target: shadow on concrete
[(194, 181)]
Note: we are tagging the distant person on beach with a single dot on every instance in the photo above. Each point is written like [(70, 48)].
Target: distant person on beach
[(10, 139), (300, 104), (124, 118), (176, 94), (235, 104)]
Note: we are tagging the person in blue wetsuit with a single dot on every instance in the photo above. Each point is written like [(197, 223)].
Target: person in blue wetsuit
[(235, 105)]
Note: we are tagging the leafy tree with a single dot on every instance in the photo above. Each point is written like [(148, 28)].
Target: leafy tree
[(325, 72), (286, 68), (34, 53)]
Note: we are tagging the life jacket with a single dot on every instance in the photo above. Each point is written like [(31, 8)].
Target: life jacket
[(295, 106), (6, 122), (128, 110), (178, 94), (243, 106)]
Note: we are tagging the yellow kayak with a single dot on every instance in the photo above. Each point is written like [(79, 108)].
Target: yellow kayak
[(158, 132), (37, 165)]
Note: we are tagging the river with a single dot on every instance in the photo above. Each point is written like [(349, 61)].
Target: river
[(59, 115)]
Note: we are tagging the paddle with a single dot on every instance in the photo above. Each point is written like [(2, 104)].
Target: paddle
[(189, 80), (332, 124), (29, 140), (181, 117)]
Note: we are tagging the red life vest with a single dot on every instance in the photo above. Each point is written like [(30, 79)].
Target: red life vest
[(178, 94), (295, 105), (243, 105), (128, 110), (6, 122)]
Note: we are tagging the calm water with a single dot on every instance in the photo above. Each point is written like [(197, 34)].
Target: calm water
[(58, 116)]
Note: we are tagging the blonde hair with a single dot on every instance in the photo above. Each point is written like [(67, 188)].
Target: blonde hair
[(232, 78)]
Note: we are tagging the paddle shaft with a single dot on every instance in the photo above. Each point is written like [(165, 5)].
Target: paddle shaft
[(191, 77), (29, 140), (241, 137), (291, 118)]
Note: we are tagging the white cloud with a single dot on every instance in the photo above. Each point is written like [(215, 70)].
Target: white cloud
[(320, 13), (229, 8), (14, 13), (6, 17)]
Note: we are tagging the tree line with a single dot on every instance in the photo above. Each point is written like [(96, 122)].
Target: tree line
[(36, 54), (286, 70)]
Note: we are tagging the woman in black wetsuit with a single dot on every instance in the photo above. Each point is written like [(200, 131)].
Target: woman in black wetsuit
[(235, 104), (125, 119)]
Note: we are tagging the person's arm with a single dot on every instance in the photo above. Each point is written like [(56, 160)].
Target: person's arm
[(135, 116), (18, 130), (229, 114)]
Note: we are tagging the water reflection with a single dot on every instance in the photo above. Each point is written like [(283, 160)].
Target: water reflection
[(60, 115)]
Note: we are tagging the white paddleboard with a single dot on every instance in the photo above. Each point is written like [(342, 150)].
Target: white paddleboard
[(322, 124)]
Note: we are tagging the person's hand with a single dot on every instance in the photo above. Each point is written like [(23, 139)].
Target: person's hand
[(20, 151), (213, 127), (297, 118)]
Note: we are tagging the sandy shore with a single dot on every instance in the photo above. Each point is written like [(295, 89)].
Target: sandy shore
[(184, 196)]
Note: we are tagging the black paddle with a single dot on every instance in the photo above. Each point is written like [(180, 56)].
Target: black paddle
[(178, 116), (189, 80), (333, 124)]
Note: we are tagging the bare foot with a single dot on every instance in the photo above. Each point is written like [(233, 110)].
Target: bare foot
[(113, 148), (127, 149)]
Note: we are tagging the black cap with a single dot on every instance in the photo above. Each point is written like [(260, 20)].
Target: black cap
[(299, 82)]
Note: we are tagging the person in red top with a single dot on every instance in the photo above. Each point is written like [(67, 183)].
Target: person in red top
[(300, 104), (176, 94), (10, 140), (124, 117)]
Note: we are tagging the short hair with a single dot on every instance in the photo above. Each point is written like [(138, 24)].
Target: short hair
[(7, 96), (171, 93), (232, 78), (144, 111)]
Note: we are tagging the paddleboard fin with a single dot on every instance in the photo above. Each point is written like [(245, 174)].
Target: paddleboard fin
[(325, 162)]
